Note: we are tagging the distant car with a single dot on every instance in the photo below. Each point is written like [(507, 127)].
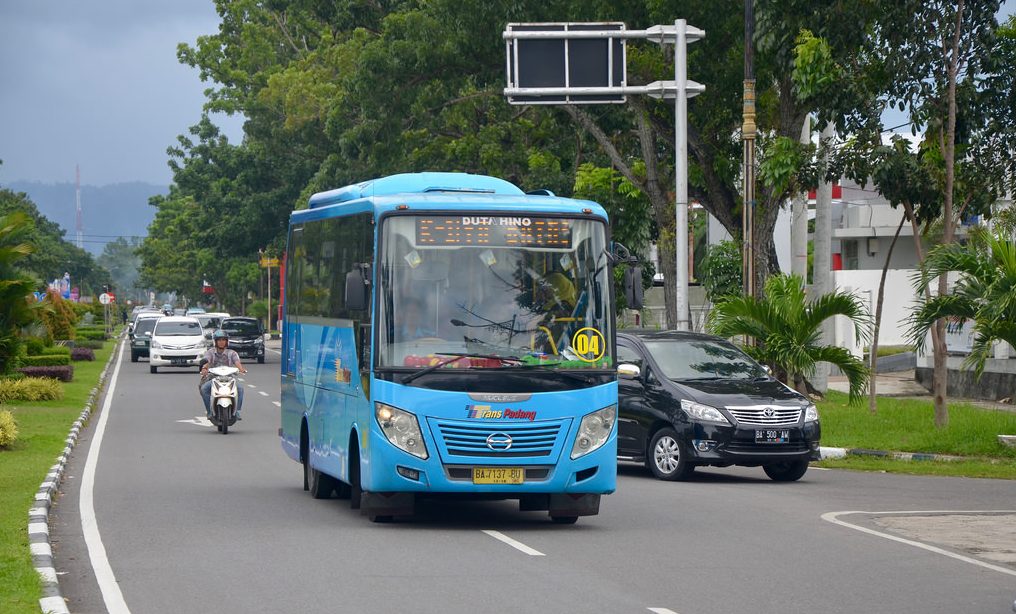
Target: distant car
[(688, 399), (140, 333), (246, 337), (177, 341)]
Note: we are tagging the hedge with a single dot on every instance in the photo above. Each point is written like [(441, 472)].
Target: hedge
[(99, 335), (82, 354), (92, 344), (8, 428), (46, 360), (64, 373), (30, 389)]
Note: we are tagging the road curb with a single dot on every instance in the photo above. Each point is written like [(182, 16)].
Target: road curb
[(52, 601), (827, 453)]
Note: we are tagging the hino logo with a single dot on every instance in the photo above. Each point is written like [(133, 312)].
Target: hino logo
[(499, 442)]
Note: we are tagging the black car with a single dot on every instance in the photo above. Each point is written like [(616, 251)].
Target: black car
[(141, 334), (246, 337), (688, 399)]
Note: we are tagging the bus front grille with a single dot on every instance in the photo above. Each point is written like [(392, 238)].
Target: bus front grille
[(498, 439)]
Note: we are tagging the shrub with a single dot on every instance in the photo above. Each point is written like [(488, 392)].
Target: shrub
[(30, 389), (92, 344), (59, 316), (55, 350), (35, 346), (94, 335), (46, 360), (82, 354), (63, 373), (8, 429)]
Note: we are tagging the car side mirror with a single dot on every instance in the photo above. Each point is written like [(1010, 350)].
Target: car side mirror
[(208, 335), (628, 371)]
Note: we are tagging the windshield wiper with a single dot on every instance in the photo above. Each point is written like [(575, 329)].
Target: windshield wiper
[(551, 366), (708, 378), (455, 356)]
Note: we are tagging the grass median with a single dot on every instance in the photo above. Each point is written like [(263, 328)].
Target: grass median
[(42, 430), (907, 425)]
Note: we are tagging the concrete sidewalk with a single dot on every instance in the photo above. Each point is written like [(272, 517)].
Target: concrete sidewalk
[(904, 384)]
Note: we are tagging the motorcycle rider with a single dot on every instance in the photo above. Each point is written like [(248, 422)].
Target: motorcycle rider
[(220, 356)]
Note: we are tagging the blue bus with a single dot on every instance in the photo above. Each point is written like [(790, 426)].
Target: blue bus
[(449, 334)]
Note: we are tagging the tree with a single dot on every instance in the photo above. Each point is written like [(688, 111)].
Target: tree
[(787, 327), (121, 259), (985, 293), (17, 305)]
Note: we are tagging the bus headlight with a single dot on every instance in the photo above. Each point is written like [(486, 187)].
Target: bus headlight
[(401, 428), (594, 430)]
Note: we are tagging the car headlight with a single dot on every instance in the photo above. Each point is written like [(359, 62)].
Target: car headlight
[(259, 340), (702, 412), (156, 345), (594, 430), (811, 414), (401, 428)]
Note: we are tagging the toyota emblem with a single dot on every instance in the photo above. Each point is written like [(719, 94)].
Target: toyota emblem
[(768, 412), (499, 442)]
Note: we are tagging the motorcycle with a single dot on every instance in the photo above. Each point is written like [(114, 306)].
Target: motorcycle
[(224, 397)]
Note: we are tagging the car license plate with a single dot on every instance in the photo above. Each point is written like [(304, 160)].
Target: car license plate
[(772, 435), (178, 361), (498, 475)]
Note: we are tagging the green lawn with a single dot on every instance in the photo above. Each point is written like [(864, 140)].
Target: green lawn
[(906, 425), (42, 428)]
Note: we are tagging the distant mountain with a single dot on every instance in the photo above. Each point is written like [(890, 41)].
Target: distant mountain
[(109, 211)]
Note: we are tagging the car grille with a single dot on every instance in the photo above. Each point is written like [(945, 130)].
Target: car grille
[(766, 415), (537, 439), (181, 347)]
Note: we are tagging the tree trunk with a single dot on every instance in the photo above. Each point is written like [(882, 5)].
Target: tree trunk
[(872, 379)]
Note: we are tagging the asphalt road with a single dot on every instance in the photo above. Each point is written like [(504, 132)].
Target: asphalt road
[(193, 521)]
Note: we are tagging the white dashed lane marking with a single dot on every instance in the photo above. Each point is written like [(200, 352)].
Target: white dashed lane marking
[(276, 403), (262, 393), (513, 543)]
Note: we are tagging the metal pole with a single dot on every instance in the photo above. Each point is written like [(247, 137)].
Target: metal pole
[(681, 173), (269, 298), (748, 130)]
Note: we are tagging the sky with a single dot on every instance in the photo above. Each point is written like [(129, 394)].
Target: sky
[(97, 83)]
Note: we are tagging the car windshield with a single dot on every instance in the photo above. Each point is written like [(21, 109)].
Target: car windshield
[(208, 321), (240, 327), (702, 359), (534, 289), (177, 329), (145, 325)]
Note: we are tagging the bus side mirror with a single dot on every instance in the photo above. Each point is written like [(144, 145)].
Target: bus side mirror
[(357, 290), (633, 287)]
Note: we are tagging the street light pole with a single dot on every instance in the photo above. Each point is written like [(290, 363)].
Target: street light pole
[(681, 172)]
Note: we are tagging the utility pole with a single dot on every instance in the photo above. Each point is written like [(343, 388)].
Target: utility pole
[(681, 172), (822, 276), (799, 228), (748, 131)]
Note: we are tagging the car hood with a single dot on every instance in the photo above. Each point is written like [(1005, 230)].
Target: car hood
[(180, 340), (738, 392), (239, 337)]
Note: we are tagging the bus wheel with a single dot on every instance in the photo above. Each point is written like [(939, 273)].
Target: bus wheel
[(319, 484), (564, 519)]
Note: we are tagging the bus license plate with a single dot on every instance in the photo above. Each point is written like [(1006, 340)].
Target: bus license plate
[(498, 475), (772, 435)]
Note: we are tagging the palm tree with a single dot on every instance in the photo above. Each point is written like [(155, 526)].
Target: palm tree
[(16, 306), (787, 329), (985, 293)]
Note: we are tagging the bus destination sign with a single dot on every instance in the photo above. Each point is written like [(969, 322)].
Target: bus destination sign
[(498, 231)]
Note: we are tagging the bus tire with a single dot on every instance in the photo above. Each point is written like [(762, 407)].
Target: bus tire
[(321, 485)]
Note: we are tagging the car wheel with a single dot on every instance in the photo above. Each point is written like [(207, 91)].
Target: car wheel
[(134, 357), (564, 519), (153, 369), (261, 360), (667, 458), (789, 471)]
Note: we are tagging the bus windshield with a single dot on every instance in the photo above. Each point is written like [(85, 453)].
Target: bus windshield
[(489, 291)]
